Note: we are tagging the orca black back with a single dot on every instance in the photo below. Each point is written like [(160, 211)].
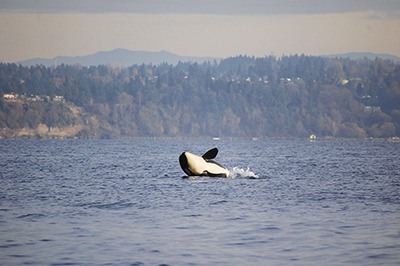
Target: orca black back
[(184, 164)]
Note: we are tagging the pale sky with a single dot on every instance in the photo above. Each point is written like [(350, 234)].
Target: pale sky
[(215, 28)]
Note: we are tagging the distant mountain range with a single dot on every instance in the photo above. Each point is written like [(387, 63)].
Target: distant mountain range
[(124, 57), (117, 57)]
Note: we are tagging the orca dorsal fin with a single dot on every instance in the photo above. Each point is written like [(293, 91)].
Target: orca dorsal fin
[(211, 154)]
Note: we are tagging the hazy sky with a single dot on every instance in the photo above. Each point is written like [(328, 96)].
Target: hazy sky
[(218, 28)]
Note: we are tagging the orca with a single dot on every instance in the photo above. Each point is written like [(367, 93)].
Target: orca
[(194, 165)]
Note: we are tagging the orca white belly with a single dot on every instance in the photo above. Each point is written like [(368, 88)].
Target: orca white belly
[(194, 165)]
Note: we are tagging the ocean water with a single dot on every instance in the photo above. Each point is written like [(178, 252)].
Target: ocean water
[(124, 202)]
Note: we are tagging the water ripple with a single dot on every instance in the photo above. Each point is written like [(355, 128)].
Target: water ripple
[(124, 202)]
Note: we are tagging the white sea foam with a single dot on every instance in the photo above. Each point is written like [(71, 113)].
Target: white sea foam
[(240, 172)]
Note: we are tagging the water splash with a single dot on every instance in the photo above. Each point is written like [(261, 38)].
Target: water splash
[(240, 172)]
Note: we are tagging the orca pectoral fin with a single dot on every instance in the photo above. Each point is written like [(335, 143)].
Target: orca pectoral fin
[(211, 154)]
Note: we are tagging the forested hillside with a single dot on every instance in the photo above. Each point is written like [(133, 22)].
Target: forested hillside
[(292, 96)]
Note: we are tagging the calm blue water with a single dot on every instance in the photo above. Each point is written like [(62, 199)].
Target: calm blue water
[(124, 202)]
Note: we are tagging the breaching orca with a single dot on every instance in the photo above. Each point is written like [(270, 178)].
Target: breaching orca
[(194, 165)]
